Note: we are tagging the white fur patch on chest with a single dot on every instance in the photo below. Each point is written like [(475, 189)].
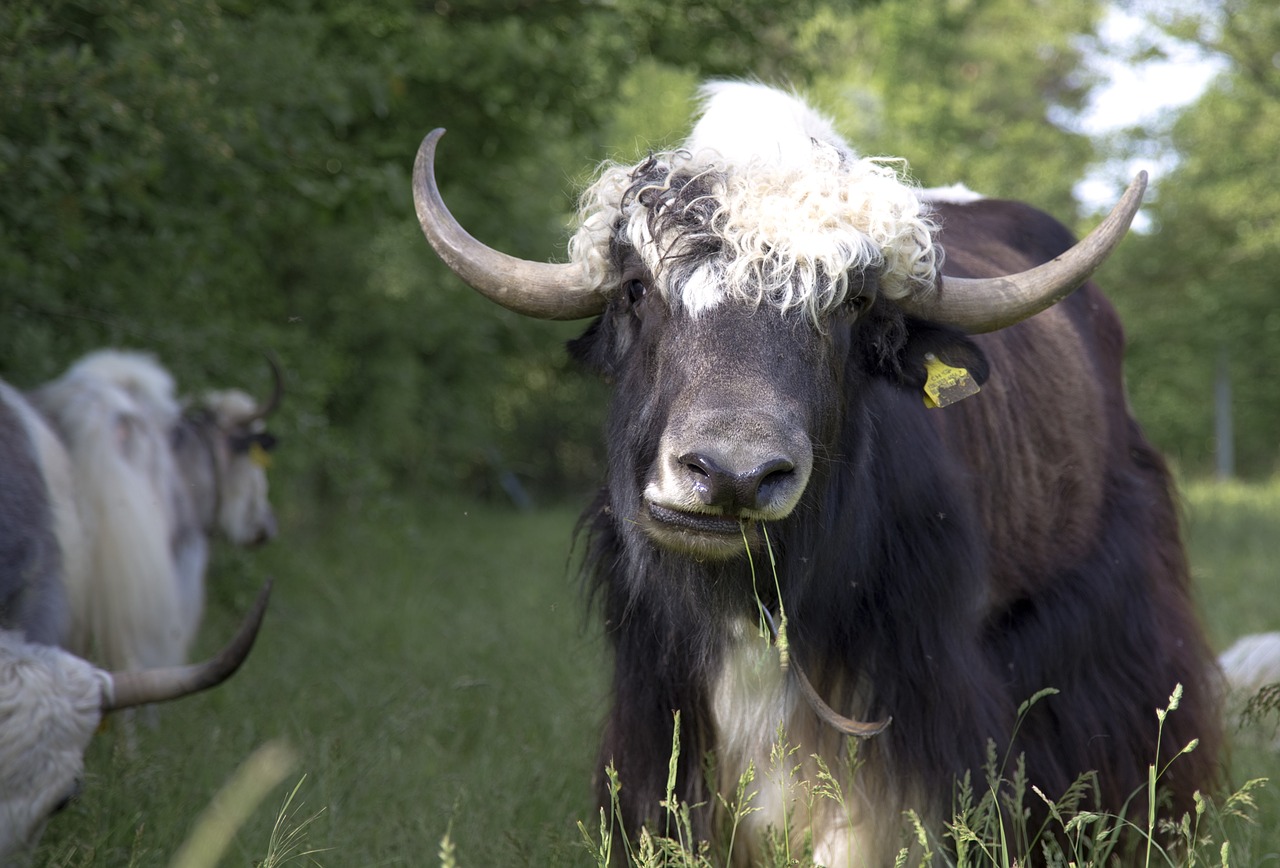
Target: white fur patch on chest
[(762, 721), (751, 698)]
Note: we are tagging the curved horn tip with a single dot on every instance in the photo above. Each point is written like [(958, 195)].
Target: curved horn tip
[(129, 689), (977, 305), (237, 650), (263, 409), (426, 154), (1137, 188), (541, 290), (277, 386)]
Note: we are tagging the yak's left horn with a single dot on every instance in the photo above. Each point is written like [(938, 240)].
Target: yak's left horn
[(160, 685), (537, 289), (987, 304), (266, 408)]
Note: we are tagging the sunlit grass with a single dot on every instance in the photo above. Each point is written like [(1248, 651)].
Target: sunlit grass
[(1233, 533)]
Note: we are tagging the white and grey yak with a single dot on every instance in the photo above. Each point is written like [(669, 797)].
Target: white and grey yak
[(151, 480), (51, 703)]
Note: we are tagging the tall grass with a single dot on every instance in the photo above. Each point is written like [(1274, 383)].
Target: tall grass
[(434, 673), (1233, 534), (990, 826)]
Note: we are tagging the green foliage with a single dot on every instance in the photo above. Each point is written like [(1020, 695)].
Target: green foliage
[(963, 90), (1202, 281), (205, 179)]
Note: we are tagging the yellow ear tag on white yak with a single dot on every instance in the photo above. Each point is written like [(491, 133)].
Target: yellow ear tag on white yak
[(944, 385), (259, 456)]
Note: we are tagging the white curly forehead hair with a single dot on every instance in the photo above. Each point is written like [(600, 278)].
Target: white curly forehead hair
[(764, 202)]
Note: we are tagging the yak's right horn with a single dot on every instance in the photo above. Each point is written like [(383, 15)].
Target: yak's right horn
[(542, 290)]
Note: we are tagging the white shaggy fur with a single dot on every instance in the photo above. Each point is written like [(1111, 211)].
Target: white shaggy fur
[(50, 706), (114, 412), (797, 210), (955, 194), (47, 618), (146, 507), (1252, 662), (752, 701)]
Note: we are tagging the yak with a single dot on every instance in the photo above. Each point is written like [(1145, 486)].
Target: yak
[(872, 487), (51, 704), (149, 479), (52, 701)]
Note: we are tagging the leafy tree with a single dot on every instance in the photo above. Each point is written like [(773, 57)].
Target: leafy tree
[(1202, 281), (966, 91), (204, 178)]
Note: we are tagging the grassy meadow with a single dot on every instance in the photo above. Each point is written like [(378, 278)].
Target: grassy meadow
[(432, 670)]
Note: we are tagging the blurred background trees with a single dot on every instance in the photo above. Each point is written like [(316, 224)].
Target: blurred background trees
[(208, 178), (1201, 286)]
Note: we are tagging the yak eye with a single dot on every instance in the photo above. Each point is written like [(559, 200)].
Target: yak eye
[(635, 290), (856, 304)]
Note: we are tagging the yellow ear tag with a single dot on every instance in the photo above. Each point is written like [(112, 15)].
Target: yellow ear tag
[(944, 385), (259, 456)]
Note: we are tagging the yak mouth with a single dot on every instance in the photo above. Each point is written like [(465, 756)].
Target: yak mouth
[(702, 534), (698, 522)]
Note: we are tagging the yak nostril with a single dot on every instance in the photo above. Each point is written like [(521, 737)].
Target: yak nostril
[(776, 467), (732, 490), (709, 481), (772, 475), (699, 465)]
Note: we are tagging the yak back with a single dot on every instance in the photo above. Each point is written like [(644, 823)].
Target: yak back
[(1089, 584), (1052, 414)]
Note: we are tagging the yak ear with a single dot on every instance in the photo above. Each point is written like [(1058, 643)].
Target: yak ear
[(928, 343), (593, 349), (900, 348)]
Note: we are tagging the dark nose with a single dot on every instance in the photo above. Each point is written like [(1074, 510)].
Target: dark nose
[(267, 531), (730, 490)]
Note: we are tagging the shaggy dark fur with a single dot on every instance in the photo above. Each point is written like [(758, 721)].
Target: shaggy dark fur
[(954, 561)]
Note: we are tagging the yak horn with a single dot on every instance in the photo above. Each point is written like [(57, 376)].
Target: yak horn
[(991, 303), (263, 410), (160, 685), (537, 289)]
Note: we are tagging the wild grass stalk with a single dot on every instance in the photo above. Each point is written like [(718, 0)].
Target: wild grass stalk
[(986, 831), (288, 841), (217, 826)]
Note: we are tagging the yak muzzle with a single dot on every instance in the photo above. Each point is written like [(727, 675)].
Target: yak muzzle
[(720, 474)]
